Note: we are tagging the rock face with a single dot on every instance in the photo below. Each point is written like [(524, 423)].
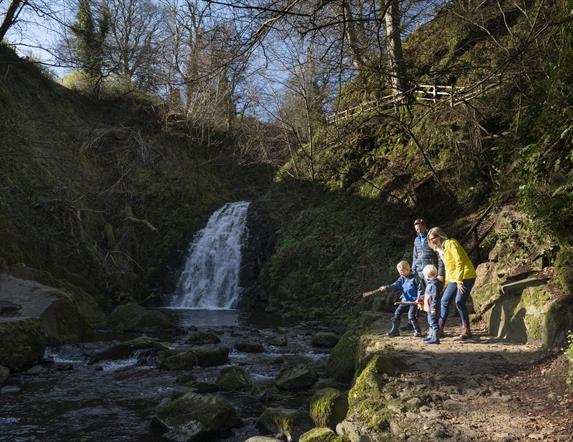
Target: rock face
[(258, 248), (47, 315), (341, 361), (296, 377), (194, 416)]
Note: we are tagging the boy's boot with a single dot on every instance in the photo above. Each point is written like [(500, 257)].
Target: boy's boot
[(434, 338), (416, 327), (441, 325), (395, 329)]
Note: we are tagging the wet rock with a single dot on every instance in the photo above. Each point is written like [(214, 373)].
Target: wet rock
[(8, 308), (211, 355), (233, 378), (325, 339), (4, 373), (186, 378), (295, 377), (249, 347), (134, 317), (328, 407), (178, 361), (36, 370), (322, 435), (181, 390), (193, 416), (291, 422), (204, 387), (123, 350), (278, 341), (202, 338)]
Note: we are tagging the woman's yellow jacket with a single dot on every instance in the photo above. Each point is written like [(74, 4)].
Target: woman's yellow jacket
[(456, 262)]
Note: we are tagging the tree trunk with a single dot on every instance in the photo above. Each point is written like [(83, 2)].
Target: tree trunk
[(394, 44), (11, 16)]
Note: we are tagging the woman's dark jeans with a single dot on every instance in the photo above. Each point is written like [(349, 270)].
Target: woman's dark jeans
[(461, 298)]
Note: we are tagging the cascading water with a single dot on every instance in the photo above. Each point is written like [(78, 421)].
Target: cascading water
[(210, 279)]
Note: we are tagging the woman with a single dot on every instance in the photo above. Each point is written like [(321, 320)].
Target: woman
[(460, 277)]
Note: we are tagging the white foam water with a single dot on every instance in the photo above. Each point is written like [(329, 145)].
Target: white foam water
[(210, 279)]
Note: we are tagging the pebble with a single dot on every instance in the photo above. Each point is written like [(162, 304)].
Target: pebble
[(441, 433)]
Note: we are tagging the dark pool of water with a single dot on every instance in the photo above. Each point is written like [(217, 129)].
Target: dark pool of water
[(72, 400)]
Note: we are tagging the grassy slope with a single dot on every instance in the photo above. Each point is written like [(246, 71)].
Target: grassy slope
[(98, 193)]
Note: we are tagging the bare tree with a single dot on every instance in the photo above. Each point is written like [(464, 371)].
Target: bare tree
[(11, 15)]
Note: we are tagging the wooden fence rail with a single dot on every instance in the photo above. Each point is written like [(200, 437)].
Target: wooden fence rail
[(422, 92)]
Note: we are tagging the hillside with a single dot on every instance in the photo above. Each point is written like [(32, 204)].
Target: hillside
[(100, 193)]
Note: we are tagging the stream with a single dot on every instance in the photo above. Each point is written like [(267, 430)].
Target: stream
[(69, 398)]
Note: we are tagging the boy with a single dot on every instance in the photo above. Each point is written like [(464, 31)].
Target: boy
[(431, 302), (410, 286)]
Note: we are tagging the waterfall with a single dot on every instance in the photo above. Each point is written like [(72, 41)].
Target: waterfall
[(210, 279)]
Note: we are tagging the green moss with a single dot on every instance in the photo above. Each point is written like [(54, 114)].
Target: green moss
[(22, 343), (322, 435), (564, 268), (328, 407), (569, 357), (341, 359), (233, 378), (535, 298)]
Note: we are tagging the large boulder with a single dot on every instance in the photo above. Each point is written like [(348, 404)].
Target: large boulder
[(328, 407), (193, 416), (172, 360), (134, 317), (528, 311), (124, 350), (46, 316), (341, 361), (233, 378), (203, 337), (211, 355), (248, 347), (325, 339), (295, 377), (290, 422)]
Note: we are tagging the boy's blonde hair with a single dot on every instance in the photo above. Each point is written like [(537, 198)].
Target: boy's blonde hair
[(430, 271), (403, 265)]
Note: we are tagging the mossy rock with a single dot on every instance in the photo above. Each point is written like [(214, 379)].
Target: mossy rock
[(249, 347), (291, 422), (325, 339), (366, 397), (531, 314), (124, 349), (202, 338), (341, 361), (22, 343), (296, 377), (564, 269), (132, 316), (484, 297), (172, 360), (193, 416), (211, 355), (278, 341), (322, 435), (233, 378), (328, 407)]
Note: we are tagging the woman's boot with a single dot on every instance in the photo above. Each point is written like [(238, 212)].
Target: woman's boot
[(466, 332), (441, 326), (395, 329)]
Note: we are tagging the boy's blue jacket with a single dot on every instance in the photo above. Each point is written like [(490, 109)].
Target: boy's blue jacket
[(410, 286), (433, 289)]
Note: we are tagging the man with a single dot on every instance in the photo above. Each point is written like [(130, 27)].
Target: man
[(423, 254)]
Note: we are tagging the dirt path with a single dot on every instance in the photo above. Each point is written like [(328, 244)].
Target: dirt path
[(481, 389)]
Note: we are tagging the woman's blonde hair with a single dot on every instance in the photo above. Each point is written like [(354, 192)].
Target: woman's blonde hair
[(436, 231)]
